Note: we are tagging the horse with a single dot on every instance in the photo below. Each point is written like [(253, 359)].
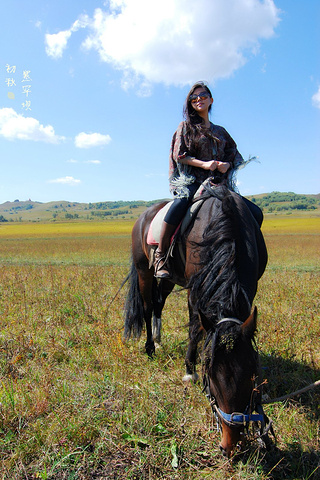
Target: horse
[(224, 256)]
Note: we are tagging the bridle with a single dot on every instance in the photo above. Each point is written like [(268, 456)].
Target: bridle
[(239, 419)]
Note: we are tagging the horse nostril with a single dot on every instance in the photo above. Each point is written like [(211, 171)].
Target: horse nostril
[(223, 451)]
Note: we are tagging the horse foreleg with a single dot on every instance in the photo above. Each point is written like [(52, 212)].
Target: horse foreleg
[(195, 335)]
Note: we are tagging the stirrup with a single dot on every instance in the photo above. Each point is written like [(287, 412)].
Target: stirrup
[(160, 260)]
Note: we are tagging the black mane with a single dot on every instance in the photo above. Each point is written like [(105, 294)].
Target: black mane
[(215, 290)]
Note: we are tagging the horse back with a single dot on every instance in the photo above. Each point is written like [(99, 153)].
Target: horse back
[(251, 244), (140, 248)]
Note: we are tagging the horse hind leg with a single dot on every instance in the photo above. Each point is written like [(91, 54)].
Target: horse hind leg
[(156, 329), (157, 310), (160, 294), (139, 307), (150, 347)]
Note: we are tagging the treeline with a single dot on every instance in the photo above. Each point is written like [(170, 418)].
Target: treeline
[(279, 201), (119, 204), (107, 213), (17, 208)]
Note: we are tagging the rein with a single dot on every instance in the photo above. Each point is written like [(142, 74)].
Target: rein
[(292, 394)]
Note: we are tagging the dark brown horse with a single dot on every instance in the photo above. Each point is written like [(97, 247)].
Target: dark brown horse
[(225, 255)]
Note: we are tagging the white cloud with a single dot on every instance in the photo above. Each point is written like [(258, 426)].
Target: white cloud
[(87, 140), (15, 126), (66, 181), (56, 43), (177, 41), (316, 99)]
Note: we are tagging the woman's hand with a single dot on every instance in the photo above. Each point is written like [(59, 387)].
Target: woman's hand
[(210, 165), (223, 167)]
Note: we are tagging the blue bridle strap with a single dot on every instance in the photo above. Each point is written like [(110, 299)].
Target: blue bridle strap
[(240, 418)]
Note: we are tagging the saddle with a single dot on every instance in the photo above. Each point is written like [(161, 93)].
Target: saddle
[(156, 224), (153, 236)]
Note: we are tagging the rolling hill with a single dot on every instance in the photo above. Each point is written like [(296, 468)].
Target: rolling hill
[(275, 203)]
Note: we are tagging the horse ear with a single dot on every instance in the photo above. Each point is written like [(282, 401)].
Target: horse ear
[(250, 325)]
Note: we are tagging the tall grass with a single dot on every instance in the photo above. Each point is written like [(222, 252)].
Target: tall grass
[(77, 403)]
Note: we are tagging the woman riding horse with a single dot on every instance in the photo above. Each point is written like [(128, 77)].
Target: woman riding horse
[(224, 256), (199, 150)]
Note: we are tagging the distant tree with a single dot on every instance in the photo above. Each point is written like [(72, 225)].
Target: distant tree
[(2, 219)]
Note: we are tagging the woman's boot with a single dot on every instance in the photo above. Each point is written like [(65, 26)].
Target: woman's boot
[(160, 257)]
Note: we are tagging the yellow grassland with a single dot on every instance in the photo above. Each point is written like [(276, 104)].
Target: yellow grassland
[(20, 230), (271, 225), (296, 225)]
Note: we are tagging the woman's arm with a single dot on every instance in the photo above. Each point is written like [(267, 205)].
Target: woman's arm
[(212, 165), (194, 162)]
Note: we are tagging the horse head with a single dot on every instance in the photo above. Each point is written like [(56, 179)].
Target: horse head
[(231, 369)]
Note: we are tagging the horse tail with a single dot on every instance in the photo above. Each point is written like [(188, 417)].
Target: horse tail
[(133, 310)]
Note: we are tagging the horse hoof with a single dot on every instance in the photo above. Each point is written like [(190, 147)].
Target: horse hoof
[(190, 378), (150, 350)]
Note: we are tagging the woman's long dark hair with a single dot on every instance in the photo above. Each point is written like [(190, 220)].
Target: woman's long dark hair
[(194, 123)]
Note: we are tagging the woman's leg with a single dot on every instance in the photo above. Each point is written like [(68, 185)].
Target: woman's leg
[(172, 219)]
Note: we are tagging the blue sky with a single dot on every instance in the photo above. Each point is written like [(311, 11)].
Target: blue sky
[(91, 93)]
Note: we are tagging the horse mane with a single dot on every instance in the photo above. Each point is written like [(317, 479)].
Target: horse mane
[(224, 338), (215, 289)]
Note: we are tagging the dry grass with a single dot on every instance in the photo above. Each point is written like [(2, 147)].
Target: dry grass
[(77, 403)]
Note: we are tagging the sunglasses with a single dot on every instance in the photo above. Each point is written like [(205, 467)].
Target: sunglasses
[(202, 96)]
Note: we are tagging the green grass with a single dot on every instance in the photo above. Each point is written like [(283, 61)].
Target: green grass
[(77, 403)]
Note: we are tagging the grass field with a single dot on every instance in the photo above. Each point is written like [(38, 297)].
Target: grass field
[(77, 403)]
